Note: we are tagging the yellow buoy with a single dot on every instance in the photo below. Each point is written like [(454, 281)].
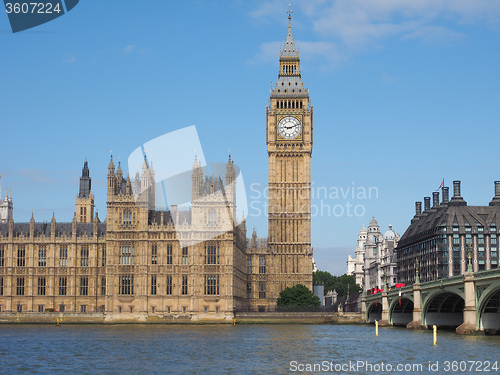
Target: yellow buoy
[(376, 327), (435, 334)]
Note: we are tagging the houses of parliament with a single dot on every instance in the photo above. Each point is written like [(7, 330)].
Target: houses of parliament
[(141, 262)]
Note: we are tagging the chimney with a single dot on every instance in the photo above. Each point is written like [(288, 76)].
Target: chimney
[(418, 208), (457, 199), (446, 194), (427, 203), (496, 199), (435, 199), (456, 189)]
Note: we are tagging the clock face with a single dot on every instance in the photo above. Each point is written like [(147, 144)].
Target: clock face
[(289, 127)]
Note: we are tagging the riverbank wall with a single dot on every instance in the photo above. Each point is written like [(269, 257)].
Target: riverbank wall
[(137, 318)]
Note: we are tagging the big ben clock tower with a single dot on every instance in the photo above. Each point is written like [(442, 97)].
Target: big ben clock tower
[(289, 147)]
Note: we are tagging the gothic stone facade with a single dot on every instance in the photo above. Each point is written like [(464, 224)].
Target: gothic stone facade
[(198, 263), (139, 262)]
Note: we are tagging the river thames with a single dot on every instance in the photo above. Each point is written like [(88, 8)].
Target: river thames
[(240, 349)]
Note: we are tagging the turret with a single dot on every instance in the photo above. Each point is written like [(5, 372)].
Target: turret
[(85, 197), (362, 236), (53, 225), (11, 228), (243, 223), (197, 180), (32, 225), (85, 181), (254, 239), (96, 227), (145, 175), (147, 184), (111, 178), (6, 206), (119, 175), (73, 226), (231, 185), (128, 186)]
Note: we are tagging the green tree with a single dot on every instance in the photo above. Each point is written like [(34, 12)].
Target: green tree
[(341, 284), (324, 278), (298, 295), (346, 283)]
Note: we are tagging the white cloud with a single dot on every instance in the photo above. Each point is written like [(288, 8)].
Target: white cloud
[(130, 48), (326, 52), (350, 26), (268, 52), (268, 9), (358, 22), (40, 178), (434, 34), (387, 78), (71, 60)]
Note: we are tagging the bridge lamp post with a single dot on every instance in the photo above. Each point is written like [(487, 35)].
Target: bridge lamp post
[(417, 277), (469, 252)]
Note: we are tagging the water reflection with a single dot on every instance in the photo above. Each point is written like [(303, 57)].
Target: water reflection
[(247, 349)]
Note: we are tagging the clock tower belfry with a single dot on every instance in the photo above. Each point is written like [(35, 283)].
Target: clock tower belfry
[(289, 147)]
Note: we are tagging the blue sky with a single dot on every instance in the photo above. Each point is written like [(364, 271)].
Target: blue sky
[(404, 94)]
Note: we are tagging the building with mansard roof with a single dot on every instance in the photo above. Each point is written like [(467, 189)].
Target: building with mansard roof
[(192, 263), (440, 238)]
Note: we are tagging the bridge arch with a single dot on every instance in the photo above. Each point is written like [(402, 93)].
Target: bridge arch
[(401, 311), (488, 309), (374, 312), (444, 309)]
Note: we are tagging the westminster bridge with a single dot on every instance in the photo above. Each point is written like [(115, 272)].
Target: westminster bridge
[(469, 302)]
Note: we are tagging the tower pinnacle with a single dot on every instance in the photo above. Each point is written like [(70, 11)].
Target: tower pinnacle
[(289, 49), (289, 82)]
